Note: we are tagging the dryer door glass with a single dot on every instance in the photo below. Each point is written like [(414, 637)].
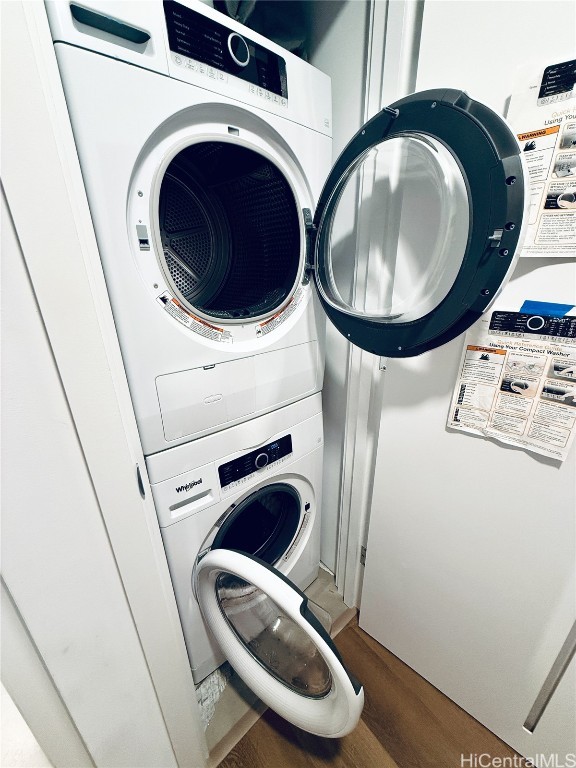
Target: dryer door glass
[(268, 632), (419, 222)]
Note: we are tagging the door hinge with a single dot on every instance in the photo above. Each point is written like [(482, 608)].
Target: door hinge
[(495, 238), (311, 232), (362, 555)]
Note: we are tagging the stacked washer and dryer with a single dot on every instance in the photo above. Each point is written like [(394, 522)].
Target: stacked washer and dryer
[(197, 167), (225, 235)]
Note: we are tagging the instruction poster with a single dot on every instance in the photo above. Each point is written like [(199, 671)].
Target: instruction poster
[(542, 114), (517, 381)]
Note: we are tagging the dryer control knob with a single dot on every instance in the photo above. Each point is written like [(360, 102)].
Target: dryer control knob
[(238, 49), (261, 460)]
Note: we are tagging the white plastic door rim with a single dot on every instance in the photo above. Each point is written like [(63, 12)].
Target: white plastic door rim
[(275, 643), (419, 223)]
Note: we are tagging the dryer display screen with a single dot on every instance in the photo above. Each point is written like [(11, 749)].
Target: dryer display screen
[(197, 37), (246, 465)]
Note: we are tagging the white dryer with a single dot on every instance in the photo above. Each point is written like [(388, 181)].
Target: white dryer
[(205, 151), (239, 512), (197, 169)]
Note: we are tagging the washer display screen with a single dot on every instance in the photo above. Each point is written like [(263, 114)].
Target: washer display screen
[(246, 465)]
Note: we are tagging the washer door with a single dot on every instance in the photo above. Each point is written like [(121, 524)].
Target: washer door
[(267, 631), (419, 223)]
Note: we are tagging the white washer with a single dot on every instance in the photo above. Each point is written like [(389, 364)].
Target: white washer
[(239, 512), (255, 488), (196, 177)]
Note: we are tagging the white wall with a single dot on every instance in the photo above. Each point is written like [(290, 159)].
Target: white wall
[(19, 748), (86, 588), (56, 557), (337, 40), (477, 45), (470, 563)]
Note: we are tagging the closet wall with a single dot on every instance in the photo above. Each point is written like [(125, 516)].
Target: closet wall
[(92, 650), (337, 34)]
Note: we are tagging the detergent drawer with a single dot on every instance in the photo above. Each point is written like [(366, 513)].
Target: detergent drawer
[(200, 400), (197, 400)]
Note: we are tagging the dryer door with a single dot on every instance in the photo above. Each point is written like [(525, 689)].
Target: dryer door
[(419, 222), (267, 631)]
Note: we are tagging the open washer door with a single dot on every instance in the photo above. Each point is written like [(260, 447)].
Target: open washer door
[(267, 631), (419, 223)]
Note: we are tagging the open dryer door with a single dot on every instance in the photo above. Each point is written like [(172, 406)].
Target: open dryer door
[(267, 631), (428, 201)]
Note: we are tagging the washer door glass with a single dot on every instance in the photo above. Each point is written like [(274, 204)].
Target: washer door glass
[(266, 629), (419, 222)]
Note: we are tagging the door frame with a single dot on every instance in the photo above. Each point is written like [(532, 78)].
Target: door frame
[(392, 48), (39, 145)]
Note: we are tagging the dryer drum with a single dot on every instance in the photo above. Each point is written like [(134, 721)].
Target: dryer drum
[(230, 230)]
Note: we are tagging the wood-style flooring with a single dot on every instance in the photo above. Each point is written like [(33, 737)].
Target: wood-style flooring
[(406, 723)]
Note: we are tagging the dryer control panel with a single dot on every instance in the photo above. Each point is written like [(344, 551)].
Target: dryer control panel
[(244, 467), (199, 38)]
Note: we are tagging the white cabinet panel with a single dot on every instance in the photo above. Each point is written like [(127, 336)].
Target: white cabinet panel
[(119, 660), (56, 555), (470, 571)]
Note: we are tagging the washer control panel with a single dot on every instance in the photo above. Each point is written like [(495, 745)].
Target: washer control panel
[(197, 37), (240, 470)]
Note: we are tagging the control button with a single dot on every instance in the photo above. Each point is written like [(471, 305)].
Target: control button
[(535, 323), (261, 460), (238, 49)]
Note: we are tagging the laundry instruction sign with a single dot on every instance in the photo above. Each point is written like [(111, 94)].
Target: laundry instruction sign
[(517, 380), (542, 113)]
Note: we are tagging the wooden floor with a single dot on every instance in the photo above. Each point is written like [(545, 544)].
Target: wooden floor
[(406, 723)]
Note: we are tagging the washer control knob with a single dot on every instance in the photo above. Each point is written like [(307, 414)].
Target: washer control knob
[(238, 49), (535, 323), (261, 460)]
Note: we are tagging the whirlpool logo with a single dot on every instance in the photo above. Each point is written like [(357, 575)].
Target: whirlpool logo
[(188, 486)]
